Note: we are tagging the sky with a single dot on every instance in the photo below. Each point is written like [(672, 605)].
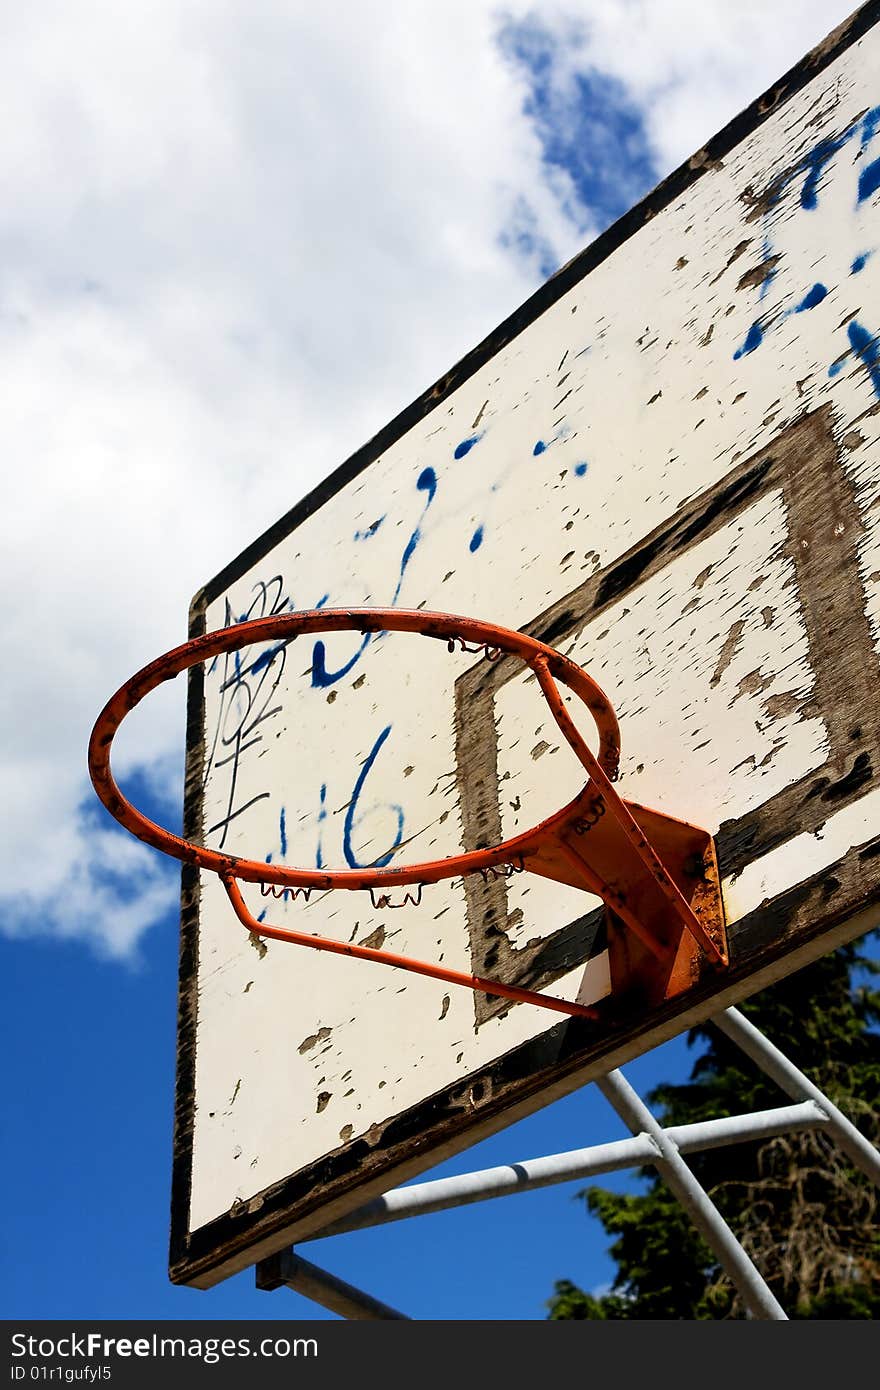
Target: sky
[(237, 239)]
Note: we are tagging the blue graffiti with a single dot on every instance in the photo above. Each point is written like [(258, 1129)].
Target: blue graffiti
[(754, 339), (813, 297), (866, 348), (466, 445), (859, 262), (352, 820), (321, 677), (322, 816), (370, 531), (869, 180), (816, 162)]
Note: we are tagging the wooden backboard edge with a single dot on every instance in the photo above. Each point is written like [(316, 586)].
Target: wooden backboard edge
[(188, 966)]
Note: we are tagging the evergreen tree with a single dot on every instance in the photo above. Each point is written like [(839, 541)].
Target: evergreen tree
[(806, 1217)]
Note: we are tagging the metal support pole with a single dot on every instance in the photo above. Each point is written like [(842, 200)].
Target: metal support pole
[(651, 1144), (444, 1193), (320, 1286), (793, 1082), (681, 1182)]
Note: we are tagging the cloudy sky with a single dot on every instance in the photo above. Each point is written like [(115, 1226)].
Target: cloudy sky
[(237, 238)]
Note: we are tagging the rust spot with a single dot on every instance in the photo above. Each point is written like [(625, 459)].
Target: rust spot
[(656, 396), (444, 1007), (728, 651), (323, 1101), (540, 749), (756, 277), (346, 1132), (356, 685), (258, 944), (767, 616), (778, 706), (738, 250), (375, 940), (313, 1039), (853, 439), (752, 684), (707, 336)]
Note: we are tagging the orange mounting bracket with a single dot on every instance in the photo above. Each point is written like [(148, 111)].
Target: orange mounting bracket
[(657, 876)]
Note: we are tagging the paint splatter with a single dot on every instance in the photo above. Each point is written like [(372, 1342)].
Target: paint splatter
[(866, 348), (476, 540), (813, 297), (580, 469), (352, 820), (539, 448), (321, 677), (869, 180), (859, 263), (816, 163), (322, 816), (466, 445), (754, 338), (370, 531)]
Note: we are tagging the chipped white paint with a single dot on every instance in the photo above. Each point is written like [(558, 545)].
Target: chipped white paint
[(764, 879), (638, 390)]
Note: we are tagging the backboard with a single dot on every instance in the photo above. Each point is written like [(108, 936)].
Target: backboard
[(666, 464)]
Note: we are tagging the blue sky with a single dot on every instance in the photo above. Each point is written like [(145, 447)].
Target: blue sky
[(188, 288)]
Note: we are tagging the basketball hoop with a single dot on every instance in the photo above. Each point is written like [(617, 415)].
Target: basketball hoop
[(656, 875)]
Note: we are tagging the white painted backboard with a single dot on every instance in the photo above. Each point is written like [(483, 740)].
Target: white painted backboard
[(667, 465)]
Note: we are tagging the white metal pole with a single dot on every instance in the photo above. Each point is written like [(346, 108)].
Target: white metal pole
[(708, 1220)]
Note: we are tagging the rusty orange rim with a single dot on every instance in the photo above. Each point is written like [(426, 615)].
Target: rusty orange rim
[(483, 637)]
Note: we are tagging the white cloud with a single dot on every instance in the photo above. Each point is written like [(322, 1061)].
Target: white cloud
[(236, 239)]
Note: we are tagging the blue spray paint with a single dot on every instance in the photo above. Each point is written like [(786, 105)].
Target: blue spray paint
[(866, 348), (813, 297), (580, 469), (322, 816), (869, 177), (859, 262), (476, 540), (321, 677), (869, 180), (352, 821), (466, 445), (265, 658), (767, 254), (539, 448), (816, 162), (754, 338), (370, 531)]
